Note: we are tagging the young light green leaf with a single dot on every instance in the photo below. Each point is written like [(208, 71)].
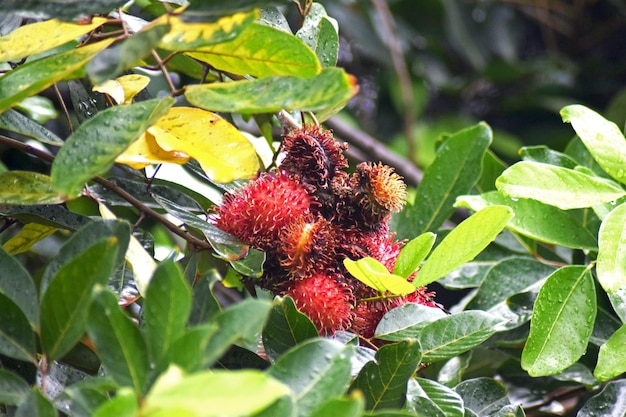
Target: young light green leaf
[(561, 323), (18, 286), (16, 122), (35, 76), (603, 139), (413, 253), (352, 406), (17, 337), (384, 382), (454, 172), (560, 187), (457, 333), (212, 393), (375, 275), (612, 356), (406, 321), (119, 342), (124, 404), (330, 88), (21, 187), (537, 220), (261, 51), (444, 398), (286, 327), (30, 234), (611, 261), (166, 308), (93, 147), (463, 243), (66, 301), (315, 370)]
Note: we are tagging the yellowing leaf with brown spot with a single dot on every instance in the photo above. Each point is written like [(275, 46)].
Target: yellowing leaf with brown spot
[(42, 36), (124, 88), (30, 234), (222, 151)]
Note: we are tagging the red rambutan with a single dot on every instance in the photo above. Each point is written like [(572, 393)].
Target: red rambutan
[(325, 299), (306, 246)]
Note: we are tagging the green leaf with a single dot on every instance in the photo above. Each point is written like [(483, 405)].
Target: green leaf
[(384, 382), (213, 393), (65, 304), (36, 406), (560, 187), (561, 323), (124, 404), (375, 275), (315, 370), (188, 350), (611, 262), (603, 139), (286, 327), (454, 172), (506, 278), (413, 253), (607, 403), (21, 187), (612, 357), (46, 214), (71, 9), (241, 321), (483, 396), (35, 76), (119, 342), (319, 32), (537, 220), (14, 121), (111, 62), (406, 321), (444, 398), (455, 334), (545, 155), (341, 407), (261, 51), (463, 243), (331, 88), (166, 308), (13, 389), (85, 397), (18, 286), (93, 147), (17, 338)]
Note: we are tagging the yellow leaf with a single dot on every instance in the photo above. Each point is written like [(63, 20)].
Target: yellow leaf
[(30, 234), (375, 275), (124, 88), (42, 36), (223, 152), (145, 151)]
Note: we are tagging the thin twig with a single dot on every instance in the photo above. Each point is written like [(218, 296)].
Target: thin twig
[(66, 113)]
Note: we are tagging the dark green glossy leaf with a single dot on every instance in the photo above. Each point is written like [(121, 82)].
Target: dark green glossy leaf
[(314, 370), (510, 411), (561, 323), (18, 286), (49, 215), (331, 88), (455, 334), (220, 8), (65, 304), (93, 147), (119, 342), (17, 338), (469, 275), (537, 220), (413, 253), (507, 278), (29, 188), (241, 321), (545, 155), (580, 374), (384, 382), (607, 403), (492, 169), (166, 308), (188, 350), (85, 397), (406, 321), (36, 405), (14, 121), (444, 398), (286, 327), (13, 389), (483, 396), (454, 172), (319, 33), (463, 243), (71, 9), (111, 62), (204, 301)]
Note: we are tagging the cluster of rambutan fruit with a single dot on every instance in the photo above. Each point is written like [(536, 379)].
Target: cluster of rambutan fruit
[(308, 216)]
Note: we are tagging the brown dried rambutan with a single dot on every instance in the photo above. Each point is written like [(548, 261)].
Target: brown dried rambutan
[(313, 156), (325, 299), (307, 246), (258, 212)]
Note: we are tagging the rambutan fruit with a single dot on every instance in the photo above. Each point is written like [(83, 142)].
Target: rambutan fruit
[(307, 246), (325, 299), (259, 211), (312, 155)]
